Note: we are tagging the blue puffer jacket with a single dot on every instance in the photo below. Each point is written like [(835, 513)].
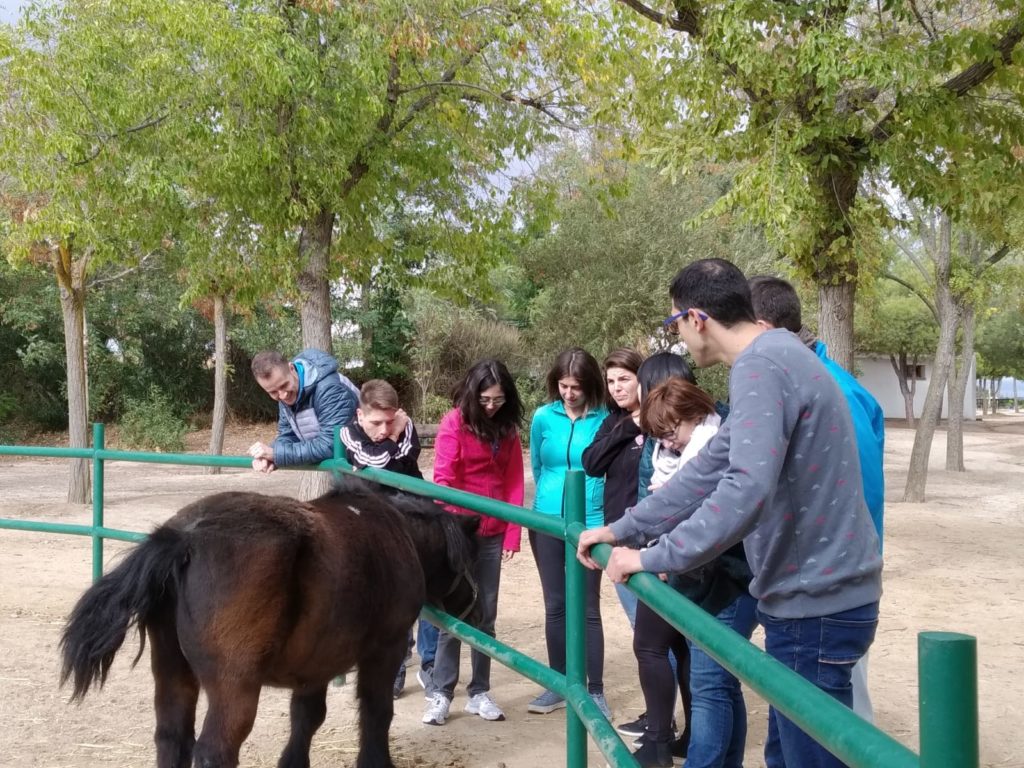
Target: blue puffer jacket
[(305, 431), (556, 446)]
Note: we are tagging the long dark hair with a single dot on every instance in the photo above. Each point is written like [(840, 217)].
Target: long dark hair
[(466, 397), (582, 366)]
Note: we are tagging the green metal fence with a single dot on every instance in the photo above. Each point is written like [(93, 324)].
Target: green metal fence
[(947, 662)]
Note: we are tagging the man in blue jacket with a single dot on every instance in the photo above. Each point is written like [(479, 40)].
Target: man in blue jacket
[(777, 305), (312, 399)]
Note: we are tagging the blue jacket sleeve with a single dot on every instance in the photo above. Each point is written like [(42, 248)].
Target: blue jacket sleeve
[(334, 405)]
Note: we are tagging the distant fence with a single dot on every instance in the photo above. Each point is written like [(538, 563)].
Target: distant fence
[(947, 662)]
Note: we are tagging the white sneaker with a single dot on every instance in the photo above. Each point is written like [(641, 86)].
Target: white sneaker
[(482, 704), (437, 709)]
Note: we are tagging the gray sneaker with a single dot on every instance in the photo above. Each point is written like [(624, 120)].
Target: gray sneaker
[(436, 712), (482, 704), (425, 677), (602, 704), (546, 703)]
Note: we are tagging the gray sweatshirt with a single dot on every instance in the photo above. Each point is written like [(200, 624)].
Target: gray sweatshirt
[(783, 475)]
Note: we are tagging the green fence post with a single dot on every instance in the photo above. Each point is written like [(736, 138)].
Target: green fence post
[(97, 501), (947, 668), (575, 621)]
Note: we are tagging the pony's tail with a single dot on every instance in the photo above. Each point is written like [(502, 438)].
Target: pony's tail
[(131, 594)]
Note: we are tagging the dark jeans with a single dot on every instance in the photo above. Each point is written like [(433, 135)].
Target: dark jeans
[(653, 640), (549, 554), (446, 664), (822, 650)]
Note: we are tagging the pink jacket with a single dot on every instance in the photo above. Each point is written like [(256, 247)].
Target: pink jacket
[(464, 461)]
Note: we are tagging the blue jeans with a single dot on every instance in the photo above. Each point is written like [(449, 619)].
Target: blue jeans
[(628, 602), (718, 714), (822, 650), (426, 643)]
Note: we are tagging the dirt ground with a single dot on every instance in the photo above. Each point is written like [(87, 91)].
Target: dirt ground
[(953, 563)]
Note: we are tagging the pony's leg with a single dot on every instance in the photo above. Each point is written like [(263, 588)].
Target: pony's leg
[(177, 691), (374, 689), (229, 719), (308, 710)]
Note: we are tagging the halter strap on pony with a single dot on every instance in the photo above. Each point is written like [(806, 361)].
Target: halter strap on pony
[(462, 575)]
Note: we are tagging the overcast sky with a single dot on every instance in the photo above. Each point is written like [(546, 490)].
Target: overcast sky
[(9, 10)]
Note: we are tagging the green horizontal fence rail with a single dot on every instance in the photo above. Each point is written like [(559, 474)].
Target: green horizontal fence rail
[(947, 662)]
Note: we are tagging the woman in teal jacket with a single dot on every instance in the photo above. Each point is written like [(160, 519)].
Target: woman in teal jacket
[(559, 433)]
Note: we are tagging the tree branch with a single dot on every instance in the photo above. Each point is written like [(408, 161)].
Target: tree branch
[(914, 290), (998, 255), (960, 84)]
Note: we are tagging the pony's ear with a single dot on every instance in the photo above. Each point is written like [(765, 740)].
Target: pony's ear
[(469, 523)]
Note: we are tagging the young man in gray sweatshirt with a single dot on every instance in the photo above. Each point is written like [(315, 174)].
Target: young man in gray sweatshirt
[(783, 476)]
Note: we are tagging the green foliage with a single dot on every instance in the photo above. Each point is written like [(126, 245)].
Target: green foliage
[(598, 276), (896, 323), (151, 424), (449, 339), (809, 100), (1000, 344)]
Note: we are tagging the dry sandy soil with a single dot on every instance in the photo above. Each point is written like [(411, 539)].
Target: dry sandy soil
[(952, 563)]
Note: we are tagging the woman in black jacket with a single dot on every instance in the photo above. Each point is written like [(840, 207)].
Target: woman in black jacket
[(615, 452)]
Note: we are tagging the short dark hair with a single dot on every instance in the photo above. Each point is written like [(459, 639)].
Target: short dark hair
[(717, 287), (466, 397), (776, 302), (266, 362), (378, 395), (582, 366), (658, 367)]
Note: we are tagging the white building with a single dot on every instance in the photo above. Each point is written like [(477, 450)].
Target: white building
[(878, 377)]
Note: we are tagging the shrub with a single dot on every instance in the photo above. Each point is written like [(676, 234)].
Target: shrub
[(152, 424)]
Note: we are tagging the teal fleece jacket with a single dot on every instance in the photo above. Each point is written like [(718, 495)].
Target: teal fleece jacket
[(556, 446)]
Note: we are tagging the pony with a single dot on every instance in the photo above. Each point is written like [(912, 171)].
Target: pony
[(241, 590)]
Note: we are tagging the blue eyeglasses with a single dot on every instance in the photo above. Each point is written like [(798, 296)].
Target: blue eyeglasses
[(669, 323)]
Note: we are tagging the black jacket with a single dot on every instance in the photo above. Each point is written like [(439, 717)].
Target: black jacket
[(399, 457), (615, 455)]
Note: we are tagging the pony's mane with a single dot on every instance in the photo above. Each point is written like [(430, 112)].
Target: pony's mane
[(422, 514)]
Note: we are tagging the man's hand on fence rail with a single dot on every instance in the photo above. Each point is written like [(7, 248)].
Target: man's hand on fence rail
[(588, 539), (622, 564)]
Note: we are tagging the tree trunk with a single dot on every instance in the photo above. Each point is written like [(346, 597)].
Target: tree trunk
[(220, 379), (314, 281), (980, 384), (835, 320), (315, 311), (917, 474), (993, 388), (907, 388), (1016, 407), (957, 392), (71, 281)]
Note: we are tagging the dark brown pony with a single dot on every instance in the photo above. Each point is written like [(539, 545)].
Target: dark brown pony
[(241, 590)]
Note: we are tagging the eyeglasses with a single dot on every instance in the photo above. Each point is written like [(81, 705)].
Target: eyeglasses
[(669, 323), (487, 401)]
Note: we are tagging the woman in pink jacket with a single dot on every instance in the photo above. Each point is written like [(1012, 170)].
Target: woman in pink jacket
[(477, 449)]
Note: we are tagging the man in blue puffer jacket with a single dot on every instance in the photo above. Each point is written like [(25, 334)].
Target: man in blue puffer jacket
[(312, 399)]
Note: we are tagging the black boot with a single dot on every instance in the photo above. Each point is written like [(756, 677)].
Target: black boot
[(654, 754)]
